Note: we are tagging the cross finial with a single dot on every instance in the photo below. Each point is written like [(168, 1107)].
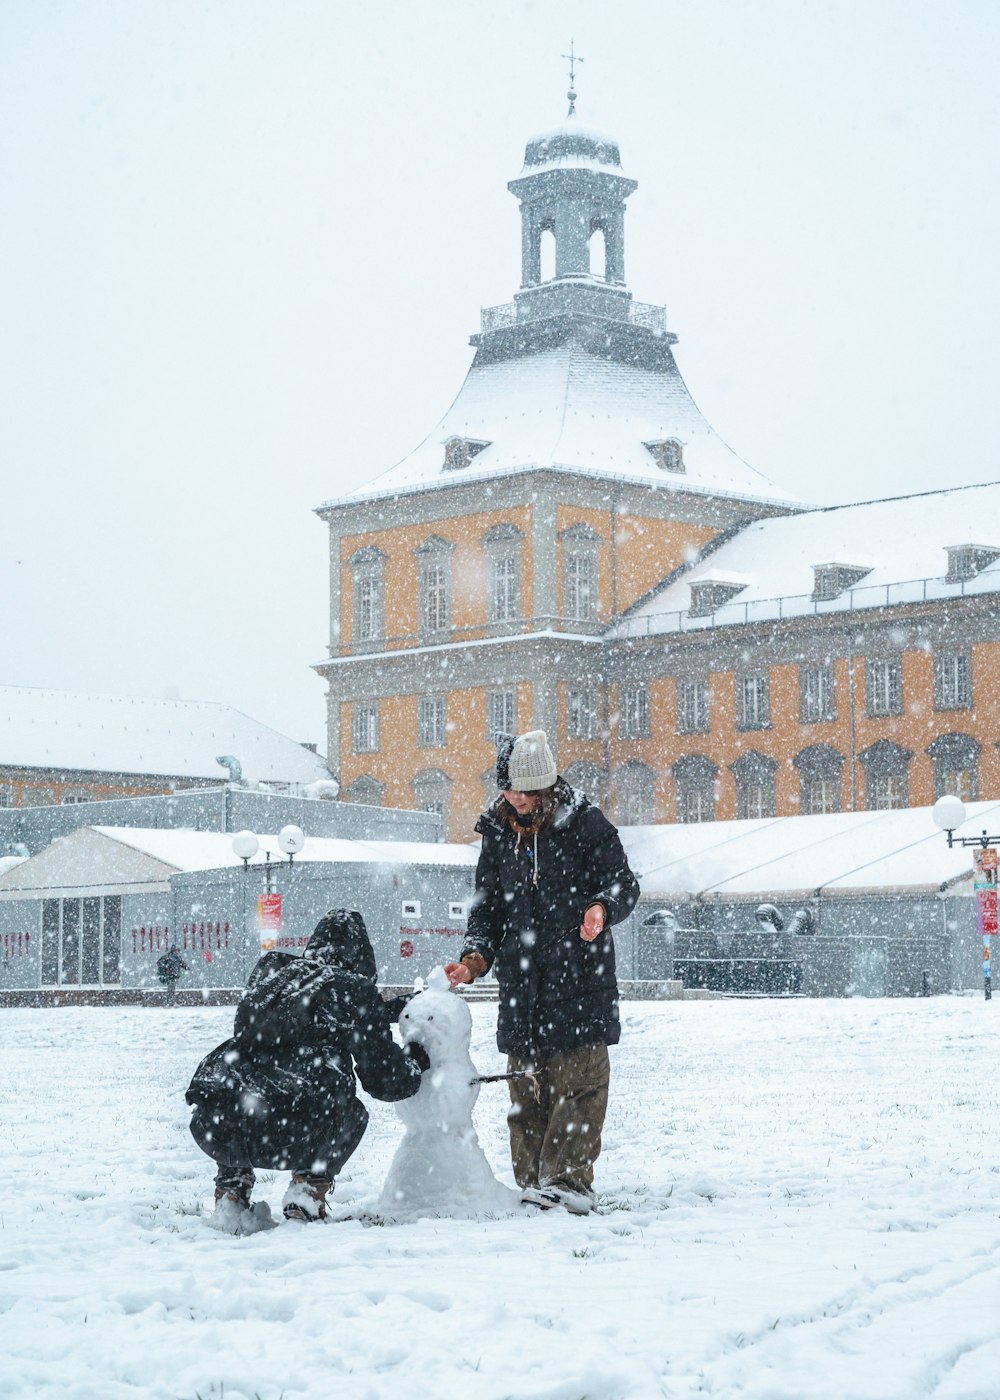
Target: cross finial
[(574, 58)]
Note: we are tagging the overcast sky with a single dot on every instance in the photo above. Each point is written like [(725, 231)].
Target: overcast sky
[(244, 243)]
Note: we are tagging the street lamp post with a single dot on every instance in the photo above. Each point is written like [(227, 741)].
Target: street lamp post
[(246, 844), (948, 813)]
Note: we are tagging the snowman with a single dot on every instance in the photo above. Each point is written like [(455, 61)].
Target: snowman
[(439, 1167)]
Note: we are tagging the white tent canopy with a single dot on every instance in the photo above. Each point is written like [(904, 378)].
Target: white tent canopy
[(837, 854)]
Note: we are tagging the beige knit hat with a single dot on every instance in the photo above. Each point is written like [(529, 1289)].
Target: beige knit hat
[(531, 765)]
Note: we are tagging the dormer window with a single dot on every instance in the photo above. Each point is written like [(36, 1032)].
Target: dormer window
[(459, 452), (709, 594), (965, 561), (830, 580), (668, 454)]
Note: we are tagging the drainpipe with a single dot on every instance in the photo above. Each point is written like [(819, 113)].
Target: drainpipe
[(850, 720)]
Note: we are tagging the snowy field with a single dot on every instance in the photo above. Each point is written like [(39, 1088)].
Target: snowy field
[(798, 1199)]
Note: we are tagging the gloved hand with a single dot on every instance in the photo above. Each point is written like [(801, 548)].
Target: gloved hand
[(414, 1051)]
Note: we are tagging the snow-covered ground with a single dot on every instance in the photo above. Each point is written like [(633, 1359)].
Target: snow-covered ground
[(799, 1199)]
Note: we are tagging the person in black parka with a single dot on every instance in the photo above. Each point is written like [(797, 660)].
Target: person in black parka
[(281, 1092), (552, 879)]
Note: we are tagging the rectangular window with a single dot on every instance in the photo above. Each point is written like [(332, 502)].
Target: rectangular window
[(888, 792), (69, 971), (50, 942), (697, 805), (752, 707), (430, 722), (581, 586), (504, 591), (884, 683), (692, 706), (824, 796), (816, 693), (952, 680), (435, 609), (960, 782), (754, 800), (91, 943), (364, 728), (581, 714), (7, 795), (111, 946), (635, 712), (369, 612), (501, 713)]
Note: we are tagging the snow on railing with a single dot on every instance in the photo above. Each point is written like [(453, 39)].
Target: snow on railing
[(881, 595), (495, 318), (651, 318)]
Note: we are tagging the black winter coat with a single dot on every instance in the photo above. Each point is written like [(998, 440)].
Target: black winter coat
[(281, 1091), (556, 991)]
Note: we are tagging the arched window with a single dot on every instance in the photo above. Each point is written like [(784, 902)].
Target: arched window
[(547, 252), (365, 790), (754, 773), (886, 776), (633, 789), (955, 758), (694, 776), (819, 768), (598, 252)]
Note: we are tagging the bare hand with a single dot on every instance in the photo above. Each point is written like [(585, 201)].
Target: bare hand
[(593, 923), (457, 973)]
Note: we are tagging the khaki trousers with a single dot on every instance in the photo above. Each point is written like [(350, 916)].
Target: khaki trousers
[(557, 1141)]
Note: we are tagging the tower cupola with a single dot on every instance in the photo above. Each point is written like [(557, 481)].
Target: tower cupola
[(572, 188)]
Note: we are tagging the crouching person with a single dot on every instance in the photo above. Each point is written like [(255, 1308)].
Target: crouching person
[(281, 1092)]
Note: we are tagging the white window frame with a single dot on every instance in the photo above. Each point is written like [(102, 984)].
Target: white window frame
[(693, 699), (501, 713), (816, 692), (753, 708), (431, 722), (582, 707), (364, 726), (635, 711), (884, 686), (952, 680)]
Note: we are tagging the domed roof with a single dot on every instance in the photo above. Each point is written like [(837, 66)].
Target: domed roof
[(571, 144)]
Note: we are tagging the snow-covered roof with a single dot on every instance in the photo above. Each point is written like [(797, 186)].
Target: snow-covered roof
[(78, 732), (902, 542), (842, 852), (567, 408), (213, 850), (94, 856)]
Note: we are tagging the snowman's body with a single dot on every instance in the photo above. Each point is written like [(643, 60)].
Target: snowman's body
[(439, 1167)]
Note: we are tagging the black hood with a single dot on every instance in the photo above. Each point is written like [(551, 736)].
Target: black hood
[(340, 939)]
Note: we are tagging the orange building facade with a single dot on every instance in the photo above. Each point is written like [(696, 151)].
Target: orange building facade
[(568, 551)]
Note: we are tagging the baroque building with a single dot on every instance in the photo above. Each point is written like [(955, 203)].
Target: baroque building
[(574, 548)]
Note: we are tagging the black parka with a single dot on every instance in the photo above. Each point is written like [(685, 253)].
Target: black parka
[(556, 990), (281, 1091)]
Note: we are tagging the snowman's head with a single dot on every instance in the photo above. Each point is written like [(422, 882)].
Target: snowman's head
[(438, 1020)]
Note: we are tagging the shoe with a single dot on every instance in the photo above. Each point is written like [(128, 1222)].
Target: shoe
[(576, 1202), (232, 1218), (237, 1192), (305, 1198), (538, 1199)]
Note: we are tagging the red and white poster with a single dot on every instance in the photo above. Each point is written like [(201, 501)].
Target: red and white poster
[(986, 891), (268, 920)]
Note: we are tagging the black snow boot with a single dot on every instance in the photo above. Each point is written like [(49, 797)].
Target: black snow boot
[(305, 1198)]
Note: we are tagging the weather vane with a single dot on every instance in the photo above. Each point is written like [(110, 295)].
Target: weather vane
[(574, 58)]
